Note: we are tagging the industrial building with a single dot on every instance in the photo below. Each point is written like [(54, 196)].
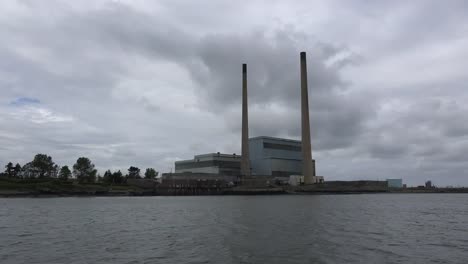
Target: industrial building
[(261, 156), (212, 163), (277, 157), (269, 156), (395, 183)]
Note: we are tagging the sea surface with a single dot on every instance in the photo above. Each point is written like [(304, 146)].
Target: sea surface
[(366, 228)]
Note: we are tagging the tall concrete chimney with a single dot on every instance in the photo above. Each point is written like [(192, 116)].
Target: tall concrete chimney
[(245, 162), (308, 168)]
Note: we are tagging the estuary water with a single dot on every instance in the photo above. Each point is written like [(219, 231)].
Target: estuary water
[(366, 228)]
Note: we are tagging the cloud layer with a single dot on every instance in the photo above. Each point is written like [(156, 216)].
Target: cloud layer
[(139, 83)]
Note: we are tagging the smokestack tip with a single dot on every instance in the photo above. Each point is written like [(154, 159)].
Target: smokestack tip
[(303, 54), (244, 68)]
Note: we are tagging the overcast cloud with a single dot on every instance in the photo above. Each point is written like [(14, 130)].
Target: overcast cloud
[(146, 83)]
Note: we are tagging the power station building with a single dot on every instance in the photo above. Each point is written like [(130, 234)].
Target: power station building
[(262, 156), (277, 157), (395, 183), (269, 156), (212, 163)]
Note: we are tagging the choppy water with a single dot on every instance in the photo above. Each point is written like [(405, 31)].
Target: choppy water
[(382, 228)]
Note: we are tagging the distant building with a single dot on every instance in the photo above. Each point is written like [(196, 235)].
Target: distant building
[(212, 163), (395, 183), (275, 156), (429, 184)]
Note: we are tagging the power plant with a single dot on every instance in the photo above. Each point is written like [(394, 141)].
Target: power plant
[(262, 158)]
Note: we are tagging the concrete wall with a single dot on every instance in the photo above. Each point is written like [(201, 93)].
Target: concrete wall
[(261, 166), (289, 166), (265, 161), (395, 183), (167, 177), (258, 163), (355, 184)]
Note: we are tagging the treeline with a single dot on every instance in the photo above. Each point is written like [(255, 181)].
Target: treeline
[(42, 167)]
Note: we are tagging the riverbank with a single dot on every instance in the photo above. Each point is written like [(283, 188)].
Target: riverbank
[(226, 191), (57, 188)]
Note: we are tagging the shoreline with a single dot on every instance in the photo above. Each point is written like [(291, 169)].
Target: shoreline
[(39, 188), (223, 192)]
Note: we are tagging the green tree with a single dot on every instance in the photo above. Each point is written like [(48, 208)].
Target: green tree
[(43, 165), (117, 177), (55, 171), (134, 173), (99, 178), (65, 173), (150, 173), (10, 170), (107, 177), (84, 170), (29, 171), (17, 170)]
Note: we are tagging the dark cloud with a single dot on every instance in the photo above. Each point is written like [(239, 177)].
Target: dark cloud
[(273, 67), (143, 84)]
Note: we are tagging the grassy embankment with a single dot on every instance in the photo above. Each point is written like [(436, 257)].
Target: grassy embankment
[(56, 187)]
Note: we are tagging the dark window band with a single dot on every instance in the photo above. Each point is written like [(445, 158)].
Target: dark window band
[(281, 146), (208, 163)]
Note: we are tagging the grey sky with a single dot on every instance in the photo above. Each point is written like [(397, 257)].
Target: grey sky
[(145, 83)]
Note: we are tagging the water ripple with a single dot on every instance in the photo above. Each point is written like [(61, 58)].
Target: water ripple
[(235, 229)]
